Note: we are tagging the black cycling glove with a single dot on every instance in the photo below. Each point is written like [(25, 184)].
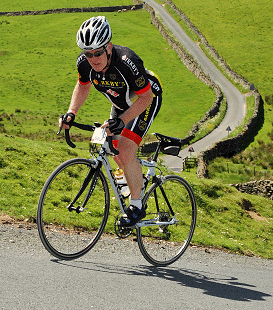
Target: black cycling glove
[(66, 115), (116, 125)]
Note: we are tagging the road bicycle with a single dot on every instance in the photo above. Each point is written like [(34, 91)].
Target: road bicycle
[(74, 204)]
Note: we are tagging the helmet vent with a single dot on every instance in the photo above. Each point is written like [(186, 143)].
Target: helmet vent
[(93, 38), (87, 37), (82, 38), (103, 35), (94, 23), (99, 24)]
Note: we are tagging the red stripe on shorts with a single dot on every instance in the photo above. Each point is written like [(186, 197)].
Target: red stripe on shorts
[(131, 135)]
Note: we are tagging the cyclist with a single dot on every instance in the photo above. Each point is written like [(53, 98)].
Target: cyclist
[(134, 92)]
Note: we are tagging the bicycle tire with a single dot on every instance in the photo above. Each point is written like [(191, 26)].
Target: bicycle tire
[(68, 234), (163, 245)]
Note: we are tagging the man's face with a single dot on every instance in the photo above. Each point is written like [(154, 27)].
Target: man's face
[(97, 58)]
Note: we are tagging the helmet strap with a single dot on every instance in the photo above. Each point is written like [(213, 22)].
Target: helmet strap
[(108, 59)]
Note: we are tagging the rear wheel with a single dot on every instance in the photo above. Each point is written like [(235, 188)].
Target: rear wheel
[(66, 229), (162, 245)]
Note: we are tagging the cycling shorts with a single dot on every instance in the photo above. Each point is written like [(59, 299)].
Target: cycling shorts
[(136, 129)]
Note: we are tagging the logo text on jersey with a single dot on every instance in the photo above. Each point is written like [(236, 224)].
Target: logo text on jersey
[(80, 59), (154, 85), (147, 113), (128, 62), (113, 84)]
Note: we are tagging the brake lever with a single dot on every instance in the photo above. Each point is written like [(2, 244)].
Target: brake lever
[(60, 129)]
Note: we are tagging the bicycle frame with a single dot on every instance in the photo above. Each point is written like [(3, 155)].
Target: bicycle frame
[(102, 160)]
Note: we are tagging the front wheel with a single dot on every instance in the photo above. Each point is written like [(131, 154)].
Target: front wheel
[(66, 229), (169, 199)]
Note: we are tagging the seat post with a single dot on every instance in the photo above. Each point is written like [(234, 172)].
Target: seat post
[(156, 152)]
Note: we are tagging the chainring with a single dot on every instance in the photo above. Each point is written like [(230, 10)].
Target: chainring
[(120, 231)]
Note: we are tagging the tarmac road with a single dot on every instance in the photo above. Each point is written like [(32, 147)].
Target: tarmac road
[(236, 102), (114, 275)]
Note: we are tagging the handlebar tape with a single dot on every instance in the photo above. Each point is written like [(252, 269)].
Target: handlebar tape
[(67, 138)]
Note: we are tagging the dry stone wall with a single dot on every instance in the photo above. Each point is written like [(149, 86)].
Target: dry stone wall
[(77, 10), (233, 145), (262, 188)]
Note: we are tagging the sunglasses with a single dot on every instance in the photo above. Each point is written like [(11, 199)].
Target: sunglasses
[(96, 54)]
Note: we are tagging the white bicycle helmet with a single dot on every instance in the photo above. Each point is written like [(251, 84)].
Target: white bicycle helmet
[(94, 33)]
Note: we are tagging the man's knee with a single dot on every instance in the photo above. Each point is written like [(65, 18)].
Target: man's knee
[(127, 151)]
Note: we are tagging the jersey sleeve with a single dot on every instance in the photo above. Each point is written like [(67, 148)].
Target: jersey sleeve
[(84, 69)]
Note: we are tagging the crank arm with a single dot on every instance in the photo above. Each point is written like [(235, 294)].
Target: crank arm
[(156, 223)]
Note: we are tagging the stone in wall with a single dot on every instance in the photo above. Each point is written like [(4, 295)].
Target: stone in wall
[(262, 188)]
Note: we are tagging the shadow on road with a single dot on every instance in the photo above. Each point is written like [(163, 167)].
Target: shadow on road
[(211, 284)]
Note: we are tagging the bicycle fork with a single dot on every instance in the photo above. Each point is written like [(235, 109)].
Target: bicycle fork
[(92, 174)]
